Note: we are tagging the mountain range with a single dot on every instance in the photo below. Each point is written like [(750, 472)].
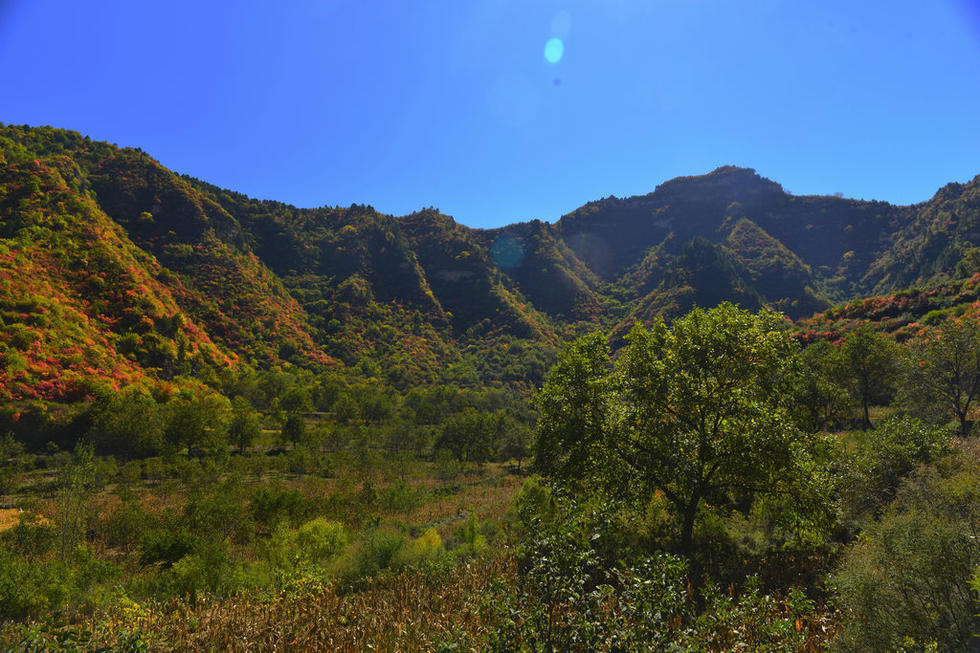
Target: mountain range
[(115, 270)]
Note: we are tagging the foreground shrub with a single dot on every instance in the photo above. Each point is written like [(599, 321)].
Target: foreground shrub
[(28, 589), (53, 587), (400, 497), (469, 538), (576, 593), (881, 458), (907, 582), (272, 505), (30, 537), (427, 548), (209, 569), (368, 557), (321, 539), (165, 547)]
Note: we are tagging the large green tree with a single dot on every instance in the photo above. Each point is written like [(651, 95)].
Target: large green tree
[(870, 367), (944, 372), (244, 427), (469, 436), (698, 411), (821, 399), (198, 422)]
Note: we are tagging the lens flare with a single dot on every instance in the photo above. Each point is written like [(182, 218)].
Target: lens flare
[(507, 251), (553, 50)]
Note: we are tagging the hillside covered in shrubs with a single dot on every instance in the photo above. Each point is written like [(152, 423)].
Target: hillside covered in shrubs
[(166, 277)]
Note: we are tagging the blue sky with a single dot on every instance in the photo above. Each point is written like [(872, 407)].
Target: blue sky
[(454, 104)]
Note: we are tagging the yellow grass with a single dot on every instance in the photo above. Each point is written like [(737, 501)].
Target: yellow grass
[(9, 517)]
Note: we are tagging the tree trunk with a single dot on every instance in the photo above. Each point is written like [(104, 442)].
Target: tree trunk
[(867, 413), (687, 527), (694, 567)]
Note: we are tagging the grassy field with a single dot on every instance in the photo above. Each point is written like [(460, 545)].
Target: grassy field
[(332, 549)]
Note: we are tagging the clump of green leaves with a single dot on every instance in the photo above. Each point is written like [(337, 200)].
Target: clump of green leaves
[(906, 583), (699, 412)]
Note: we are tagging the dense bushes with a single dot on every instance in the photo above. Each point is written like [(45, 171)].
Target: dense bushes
[(321, 539), (581, 590), (36, 586), (875, 462), (907, 582)]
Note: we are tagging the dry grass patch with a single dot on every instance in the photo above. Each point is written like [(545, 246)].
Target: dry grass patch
[(9, 517), (413, 611)]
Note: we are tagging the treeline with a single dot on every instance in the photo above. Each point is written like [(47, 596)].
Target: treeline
[(283, 482), (934, 375), (281, 409)]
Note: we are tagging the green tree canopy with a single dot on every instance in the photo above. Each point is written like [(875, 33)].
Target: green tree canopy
[(821, 399), (469, 436), (944, 373), (294, 428), (697, 411), (197, 422), (129, 423), (244, 427), (870, 365)]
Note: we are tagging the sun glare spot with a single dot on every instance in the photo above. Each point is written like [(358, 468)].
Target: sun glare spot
[(553, 50)]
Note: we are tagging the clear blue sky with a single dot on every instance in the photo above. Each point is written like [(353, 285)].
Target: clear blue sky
[(453, 103)]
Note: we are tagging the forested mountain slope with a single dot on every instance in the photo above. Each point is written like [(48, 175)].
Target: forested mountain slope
[(114, 267), (801, 251)]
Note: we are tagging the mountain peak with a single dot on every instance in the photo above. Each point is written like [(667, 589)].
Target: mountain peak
[(725, 179)]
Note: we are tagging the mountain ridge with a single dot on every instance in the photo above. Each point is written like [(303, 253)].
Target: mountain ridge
[(422, 298)]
